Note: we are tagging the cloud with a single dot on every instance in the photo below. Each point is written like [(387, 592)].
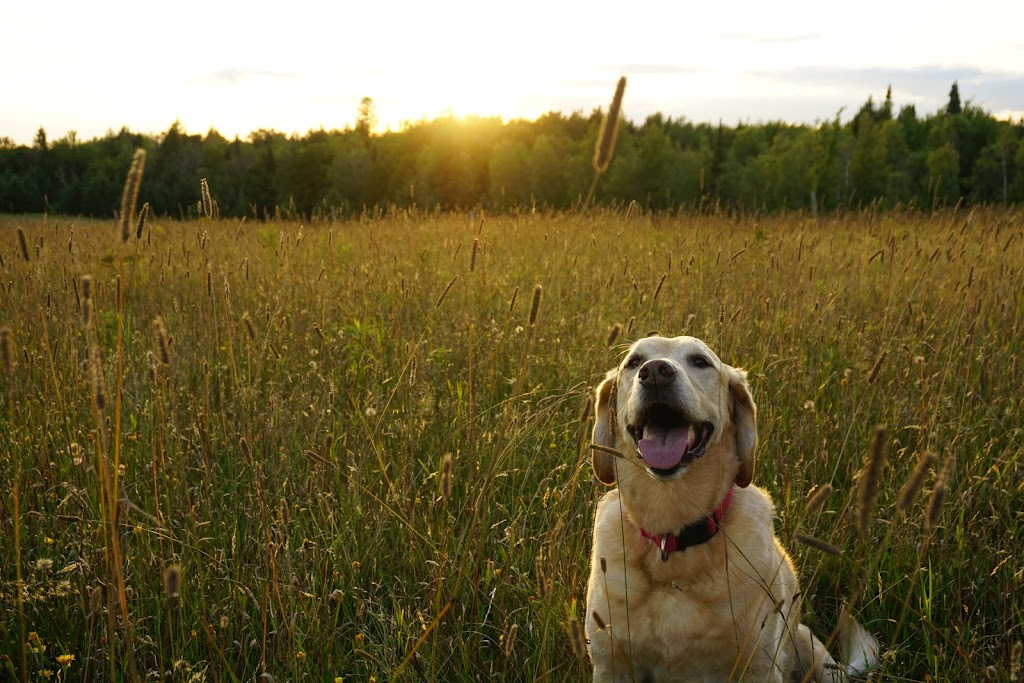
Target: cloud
[(927, 85), (769, 40)]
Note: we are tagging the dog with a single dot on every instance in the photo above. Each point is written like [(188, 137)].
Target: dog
[(687, 580)]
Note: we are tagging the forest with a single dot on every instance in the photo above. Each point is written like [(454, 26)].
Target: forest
[(877, 157)]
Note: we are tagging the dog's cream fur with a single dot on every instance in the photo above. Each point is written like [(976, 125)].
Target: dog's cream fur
[(725, 610)]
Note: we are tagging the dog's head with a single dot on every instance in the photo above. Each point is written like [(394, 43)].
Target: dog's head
[(679, 415)]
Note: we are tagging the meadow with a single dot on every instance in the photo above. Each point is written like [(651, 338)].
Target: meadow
[(360, 449)]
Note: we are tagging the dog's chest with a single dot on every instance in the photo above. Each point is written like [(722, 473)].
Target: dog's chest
[(688, 630)]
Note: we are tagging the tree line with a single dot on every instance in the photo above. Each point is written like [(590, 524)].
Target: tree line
[(959, 153)]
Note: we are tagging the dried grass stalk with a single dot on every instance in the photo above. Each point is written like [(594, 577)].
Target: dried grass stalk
[(818, 544), (871, 478)]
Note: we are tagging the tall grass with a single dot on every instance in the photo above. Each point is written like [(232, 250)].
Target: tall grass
[(350, 450)]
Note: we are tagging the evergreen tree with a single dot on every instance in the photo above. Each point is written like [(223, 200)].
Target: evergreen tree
[(954, 100), (885, 113), (366, 119)]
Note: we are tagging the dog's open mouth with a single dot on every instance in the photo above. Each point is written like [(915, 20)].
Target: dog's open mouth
[(667, 440)]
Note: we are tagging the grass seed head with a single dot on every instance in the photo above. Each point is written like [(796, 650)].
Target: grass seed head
[(444, 294), (509, 639), (905, 498), (152, 367), (243, 446), (446, 476), (130, 193), (605, 145), (512, 301), (23, 243), (172, 581), (163, 346), (99, 383), (7, 350), (535, 306), (588, 409), (87, 300), (207, 203), (817, 497), (818, 544), (249, 325), (95, 601), (143, 215), (613, 335), (472, 256), (661, 283), (871, 478), (877, 367), (579, 643)]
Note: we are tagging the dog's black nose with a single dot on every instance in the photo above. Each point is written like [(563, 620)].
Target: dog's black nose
[(656, 373)]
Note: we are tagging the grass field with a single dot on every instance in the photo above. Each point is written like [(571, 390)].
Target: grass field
[(274, 499)]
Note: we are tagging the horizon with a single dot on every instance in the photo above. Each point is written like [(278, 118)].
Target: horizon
[(845, 113), (103, 68)]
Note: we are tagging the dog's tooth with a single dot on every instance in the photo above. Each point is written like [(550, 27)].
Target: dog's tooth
[(691, 436)]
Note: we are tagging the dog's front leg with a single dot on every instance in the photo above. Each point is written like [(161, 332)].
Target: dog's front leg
[(610, 662)]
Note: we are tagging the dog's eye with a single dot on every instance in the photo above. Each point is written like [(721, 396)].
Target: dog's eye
[(699, 361), (633, 362)]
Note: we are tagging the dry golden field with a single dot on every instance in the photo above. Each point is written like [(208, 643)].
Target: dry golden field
[(345, 451)]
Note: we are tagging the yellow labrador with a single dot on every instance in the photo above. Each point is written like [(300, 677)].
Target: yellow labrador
[(687, 579)]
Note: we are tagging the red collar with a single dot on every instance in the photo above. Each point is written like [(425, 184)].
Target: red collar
[(694, 534)]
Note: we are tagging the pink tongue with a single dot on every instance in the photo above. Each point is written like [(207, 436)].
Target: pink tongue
[(663, 447)]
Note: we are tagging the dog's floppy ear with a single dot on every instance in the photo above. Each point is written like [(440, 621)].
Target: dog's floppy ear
[(743, 412), (604, 428)]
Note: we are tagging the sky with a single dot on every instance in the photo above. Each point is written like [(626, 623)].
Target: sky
[(296, 66)]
